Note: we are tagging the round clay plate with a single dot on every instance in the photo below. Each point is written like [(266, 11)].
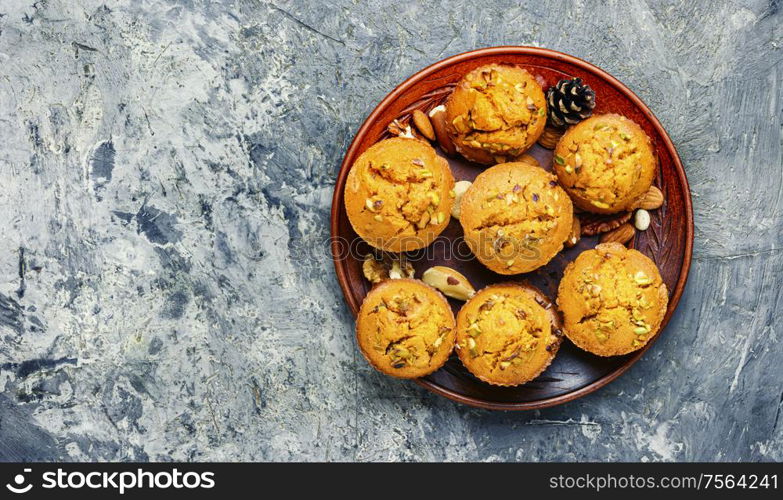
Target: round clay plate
[(668, 241)]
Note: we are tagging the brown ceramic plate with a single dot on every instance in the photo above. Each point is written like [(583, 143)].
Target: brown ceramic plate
[(668, 241)]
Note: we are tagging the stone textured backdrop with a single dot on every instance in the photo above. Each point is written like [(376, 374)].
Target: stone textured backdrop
[(166, 291)]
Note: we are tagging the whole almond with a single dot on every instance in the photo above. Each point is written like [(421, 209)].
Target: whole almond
[(438, 120), (575, 234), (622, 234), (424, 124), (550, 137), (652, 200), (449, 281)]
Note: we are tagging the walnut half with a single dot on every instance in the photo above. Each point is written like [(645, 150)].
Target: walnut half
[(377, 269)]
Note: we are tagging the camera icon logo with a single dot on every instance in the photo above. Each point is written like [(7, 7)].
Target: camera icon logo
[(19, 481)]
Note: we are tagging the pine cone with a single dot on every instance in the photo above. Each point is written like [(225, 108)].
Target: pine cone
[(569, 102)]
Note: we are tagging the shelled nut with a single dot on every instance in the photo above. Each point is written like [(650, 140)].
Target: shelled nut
[(622, 234), (423, 123), (438, 120), (452, 283), (459, 189), (652, 200)]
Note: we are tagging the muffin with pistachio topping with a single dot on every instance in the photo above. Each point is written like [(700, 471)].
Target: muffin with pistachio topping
[(495, 113), (606, 163), (515, 217), (508, 334), (399, 194), (405, 328), (613, 300)]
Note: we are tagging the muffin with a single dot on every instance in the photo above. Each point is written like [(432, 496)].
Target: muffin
[(507, 334), (495, 113), (613, 300), (606, 163), (515, 217), (405, 328), (399, 195)]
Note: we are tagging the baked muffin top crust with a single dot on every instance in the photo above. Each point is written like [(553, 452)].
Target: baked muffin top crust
[(606, 163), (507, 334), (399, 194), (495, 113), (405, 328), (613, 300), (515, 217)]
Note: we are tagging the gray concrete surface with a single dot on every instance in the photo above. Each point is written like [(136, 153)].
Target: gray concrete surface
[(167, 170)]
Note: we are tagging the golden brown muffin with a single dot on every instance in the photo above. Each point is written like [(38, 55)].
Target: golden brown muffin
[(405, 328), (613, 300), (606, 163), (508, 334), (495, 113), (399, 195), (515, 217)]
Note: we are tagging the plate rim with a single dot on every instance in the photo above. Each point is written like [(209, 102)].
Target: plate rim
[(422, 74)]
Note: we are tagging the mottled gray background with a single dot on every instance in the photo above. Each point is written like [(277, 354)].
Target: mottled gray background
[(166, 173)]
